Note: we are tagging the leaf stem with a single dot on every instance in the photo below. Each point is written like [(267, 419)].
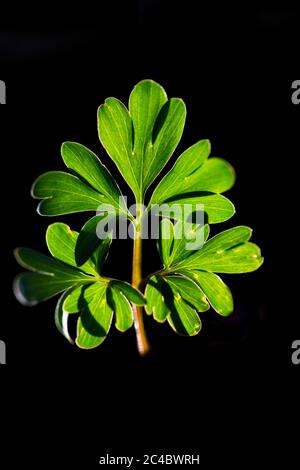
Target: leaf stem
[(142, 341), (144, 281)]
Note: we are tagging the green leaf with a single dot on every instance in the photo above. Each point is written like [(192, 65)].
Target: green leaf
[(88, 240), (166, 135), (216, 176), (159, 298), (216, 291), (165, 300), (87, 166), (189, 291), (61, 317), (81, 296), (38, 262), (192, 172), (122, 309), (142, 141), (62, 193), (145, 102), (31, 288), (216, 252), (61, 242), (101, 252), (158, 125), (228, 239), (166, 240), (187, 164), (217, 207), (49, 278), (188, 237), (243, 258), (132, 294), (95, 320), (115, 133), (184, 319), (152, 294)]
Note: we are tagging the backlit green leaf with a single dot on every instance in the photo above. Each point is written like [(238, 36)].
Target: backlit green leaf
[(94, 240), (188, 237), (31, 288), (189, 291), (142, 140), (216, 207), (61, 317), (166, 240), (62, 193), (61, 242), (187, 164), (243, 258), (94, 322), (192, 172), (216, 176), (159, 298), (166, 135), (49, 278), (183, 318), (227, 239), (122, 309), (145, 102), (36, 261), (132, 294), (86, 165), (116, 136), (227, 252), (81, 296), (169, 298), (218, 294)]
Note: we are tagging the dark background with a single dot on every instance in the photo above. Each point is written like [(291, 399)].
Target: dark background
[(230, 393)]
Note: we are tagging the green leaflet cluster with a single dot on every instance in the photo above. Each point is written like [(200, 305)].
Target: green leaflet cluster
[(196, 179), (189, 282), (90, 186), (82, 288), (140, 139)]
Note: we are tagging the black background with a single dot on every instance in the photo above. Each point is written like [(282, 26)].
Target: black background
[(230, 393)]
